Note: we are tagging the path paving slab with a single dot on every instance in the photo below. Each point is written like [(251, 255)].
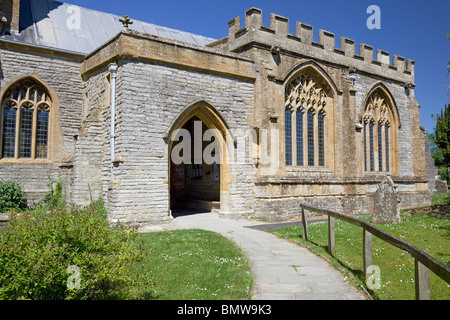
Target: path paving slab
[(282, 270)]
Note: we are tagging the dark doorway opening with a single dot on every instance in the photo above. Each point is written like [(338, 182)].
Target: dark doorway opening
[(194, 184)]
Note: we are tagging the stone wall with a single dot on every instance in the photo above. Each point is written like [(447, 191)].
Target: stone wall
[(342, 185), (149, 98), (61, 75), (91, 165)]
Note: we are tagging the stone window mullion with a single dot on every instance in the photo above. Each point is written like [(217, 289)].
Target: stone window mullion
[(380, 147), (288, 136), (383, 147), (294, 138), (321, 139), (34, 128), (366, 167), (305, 138), (371, 147), (387, 146), (17, 136), (316, 138), (11, 121), (299, 127), (311, 138)]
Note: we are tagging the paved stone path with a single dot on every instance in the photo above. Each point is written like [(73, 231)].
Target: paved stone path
[(282, 270)]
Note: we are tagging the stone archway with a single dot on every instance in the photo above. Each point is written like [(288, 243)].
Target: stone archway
[(198, 170)]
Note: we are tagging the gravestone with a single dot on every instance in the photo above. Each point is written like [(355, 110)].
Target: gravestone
[(441, 186), (386, 207)]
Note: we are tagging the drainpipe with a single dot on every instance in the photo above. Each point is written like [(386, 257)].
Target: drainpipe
[(113, 70)]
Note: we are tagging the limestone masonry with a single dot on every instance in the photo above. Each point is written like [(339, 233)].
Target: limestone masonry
[(295, 121)]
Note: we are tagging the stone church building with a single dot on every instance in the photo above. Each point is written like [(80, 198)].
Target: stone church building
[(125, 110)]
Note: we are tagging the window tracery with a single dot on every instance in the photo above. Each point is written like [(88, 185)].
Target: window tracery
[(306, 101), (25, 119), (377, 126)]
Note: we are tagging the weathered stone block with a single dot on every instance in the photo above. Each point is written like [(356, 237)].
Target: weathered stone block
[(386, 203), (441, 186)]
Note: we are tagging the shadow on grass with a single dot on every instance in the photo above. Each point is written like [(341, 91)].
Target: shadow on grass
[(447, 230)]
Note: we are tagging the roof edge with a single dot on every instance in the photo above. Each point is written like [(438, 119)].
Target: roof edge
[(134, 45)]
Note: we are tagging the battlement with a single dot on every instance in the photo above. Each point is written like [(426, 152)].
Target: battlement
[(302, 42)]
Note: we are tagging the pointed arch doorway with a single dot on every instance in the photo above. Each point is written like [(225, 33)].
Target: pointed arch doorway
[(198, 170)]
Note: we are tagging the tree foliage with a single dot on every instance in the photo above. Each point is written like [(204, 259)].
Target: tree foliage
[(441, 137), (447, 36)]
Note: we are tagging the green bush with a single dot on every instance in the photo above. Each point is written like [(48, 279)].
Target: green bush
[(443, 173), (38, 249), (54, 198), (12, 196)]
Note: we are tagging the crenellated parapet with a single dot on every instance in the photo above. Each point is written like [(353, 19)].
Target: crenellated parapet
[(302, 43)]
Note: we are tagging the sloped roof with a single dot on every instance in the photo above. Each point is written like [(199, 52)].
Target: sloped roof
[(72, 28)]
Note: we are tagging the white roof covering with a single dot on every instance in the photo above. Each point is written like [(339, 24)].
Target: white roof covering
[(67, 27)]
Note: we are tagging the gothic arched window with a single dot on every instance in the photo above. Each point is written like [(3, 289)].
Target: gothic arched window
[(306, 101), (25, 115), (379, 122)]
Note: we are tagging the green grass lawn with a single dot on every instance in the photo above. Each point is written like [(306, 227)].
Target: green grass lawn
[(397, 267), (195, 265)]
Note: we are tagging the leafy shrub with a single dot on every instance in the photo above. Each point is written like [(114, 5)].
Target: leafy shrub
[(11, 196), (38, 248), (99, 208), (54, 198), (443, 173)]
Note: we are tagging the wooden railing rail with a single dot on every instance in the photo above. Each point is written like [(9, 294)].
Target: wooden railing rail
[(424, 262)]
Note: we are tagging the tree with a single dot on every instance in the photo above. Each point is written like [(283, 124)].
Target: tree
[(441, 138), (448, 73)]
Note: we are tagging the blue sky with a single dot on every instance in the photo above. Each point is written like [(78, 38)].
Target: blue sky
[(412, 29)]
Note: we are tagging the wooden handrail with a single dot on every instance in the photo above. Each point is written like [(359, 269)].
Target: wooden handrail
[(423, 260)]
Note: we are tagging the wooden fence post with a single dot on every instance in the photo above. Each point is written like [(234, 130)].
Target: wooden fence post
[(367, 250), (422, 281), (331, 238), (422, 271), (305, 225)]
